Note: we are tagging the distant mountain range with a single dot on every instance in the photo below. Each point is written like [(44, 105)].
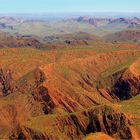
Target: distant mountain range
[(10, 20), (83, 19), (97, 22), (46, 28)]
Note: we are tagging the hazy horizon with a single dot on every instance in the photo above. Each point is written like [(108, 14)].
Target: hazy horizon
[(72, 15)]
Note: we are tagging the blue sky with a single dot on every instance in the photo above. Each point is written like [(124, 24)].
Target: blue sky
[(44, 6)]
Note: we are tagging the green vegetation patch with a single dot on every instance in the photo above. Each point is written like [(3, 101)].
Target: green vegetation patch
[(64, 71)]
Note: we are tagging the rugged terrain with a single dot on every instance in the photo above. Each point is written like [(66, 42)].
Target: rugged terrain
[(69, 83), (69, 93)]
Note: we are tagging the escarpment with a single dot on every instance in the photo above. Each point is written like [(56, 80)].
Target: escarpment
[(69, 100), (77, 126), (126, 88), (126, 85), (41, 95), (71, 87), (110, 122)]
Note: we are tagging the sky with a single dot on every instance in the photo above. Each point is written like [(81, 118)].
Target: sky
[(68, 6)]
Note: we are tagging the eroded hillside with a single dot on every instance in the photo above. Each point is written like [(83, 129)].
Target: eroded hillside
[(69, 93)]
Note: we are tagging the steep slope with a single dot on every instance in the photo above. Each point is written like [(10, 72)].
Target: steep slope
[(63, 94), (131, 108), (76, 126), (124, 83), (73, 86)]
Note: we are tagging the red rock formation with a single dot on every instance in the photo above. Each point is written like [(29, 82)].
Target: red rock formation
[(5, 81), (58, 97), (76, 126)]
